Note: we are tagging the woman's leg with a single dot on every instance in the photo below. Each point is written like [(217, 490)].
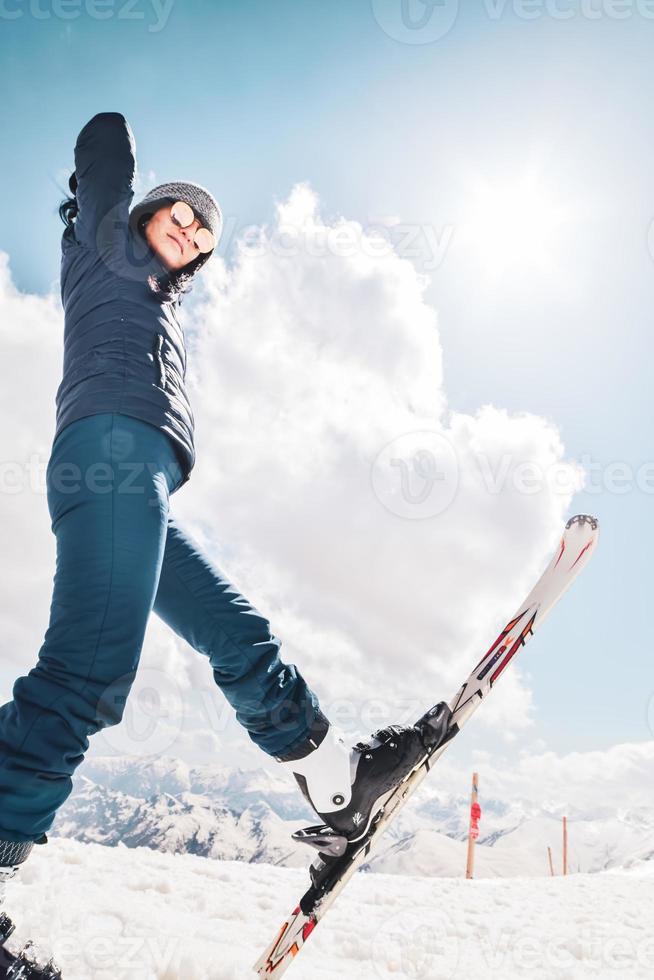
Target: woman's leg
[(109, 479), (271, 698)]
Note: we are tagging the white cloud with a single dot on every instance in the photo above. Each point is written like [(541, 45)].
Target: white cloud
[(31, 340), (143, 183), (306, 358), (604, 779)]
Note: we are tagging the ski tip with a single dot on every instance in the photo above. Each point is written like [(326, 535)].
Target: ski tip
[(583, 519), (578, 542)]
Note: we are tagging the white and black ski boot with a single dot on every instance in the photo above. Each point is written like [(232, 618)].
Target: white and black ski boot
[(348, 786), (27, 962)]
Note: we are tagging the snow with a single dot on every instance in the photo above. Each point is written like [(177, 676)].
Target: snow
[(117, 912)]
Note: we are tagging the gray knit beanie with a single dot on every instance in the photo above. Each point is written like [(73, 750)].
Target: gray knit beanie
[(200, 199)]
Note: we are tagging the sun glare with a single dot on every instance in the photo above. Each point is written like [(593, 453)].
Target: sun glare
[(513, 228)]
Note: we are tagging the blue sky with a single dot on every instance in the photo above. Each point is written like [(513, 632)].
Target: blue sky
[(249, 98)]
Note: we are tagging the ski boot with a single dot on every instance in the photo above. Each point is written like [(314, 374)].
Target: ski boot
[(27, 963), (347, 787)]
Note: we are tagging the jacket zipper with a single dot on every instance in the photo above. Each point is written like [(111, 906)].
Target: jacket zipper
[(157, 349)]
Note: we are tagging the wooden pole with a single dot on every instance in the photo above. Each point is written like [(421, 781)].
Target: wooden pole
[(549, 855), (472, 830), (565, 845)]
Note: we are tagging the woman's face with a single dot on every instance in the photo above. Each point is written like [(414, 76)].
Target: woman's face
[(172, 244)]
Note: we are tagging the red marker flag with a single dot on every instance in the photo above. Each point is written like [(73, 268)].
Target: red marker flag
[(475, 816)]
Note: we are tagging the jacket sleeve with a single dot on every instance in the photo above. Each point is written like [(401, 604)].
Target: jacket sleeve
[(105, 167)]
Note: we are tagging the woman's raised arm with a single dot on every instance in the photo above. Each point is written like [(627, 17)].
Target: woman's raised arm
[(105, 167)]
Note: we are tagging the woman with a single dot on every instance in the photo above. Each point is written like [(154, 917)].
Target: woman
[(123, 446)]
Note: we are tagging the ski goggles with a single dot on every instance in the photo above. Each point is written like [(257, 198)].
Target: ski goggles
[(183, 215)]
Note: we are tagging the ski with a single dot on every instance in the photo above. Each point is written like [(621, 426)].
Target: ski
[(24, 964), (335, 865)]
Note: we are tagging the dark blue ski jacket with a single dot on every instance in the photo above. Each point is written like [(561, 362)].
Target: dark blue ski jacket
[(124, 348)]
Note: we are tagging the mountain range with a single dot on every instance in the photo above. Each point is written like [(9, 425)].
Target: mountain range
[(249, 815)]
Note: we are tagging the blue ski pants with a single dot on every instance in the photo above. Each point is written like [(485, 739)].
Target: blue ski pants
[(120, 554)]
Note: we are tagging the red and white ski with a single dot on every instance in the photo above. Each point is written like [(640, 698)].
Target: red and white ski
[(330, 875)]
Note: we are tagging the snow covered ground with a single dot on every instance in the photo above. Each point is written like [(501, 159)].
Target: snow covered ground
[(139, 914)]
